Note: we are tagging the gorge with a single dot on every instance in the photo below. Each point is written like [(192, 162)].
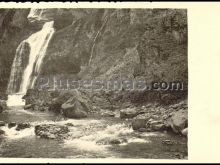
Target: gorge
[(93, 44)]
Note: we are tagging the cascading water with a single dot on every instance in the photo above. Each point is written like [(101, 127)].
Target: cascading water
[(37, 44)]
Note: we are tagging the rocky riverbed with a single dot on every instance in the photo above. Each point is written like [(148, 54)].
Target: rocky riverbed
[(41, 134), (94, 123)]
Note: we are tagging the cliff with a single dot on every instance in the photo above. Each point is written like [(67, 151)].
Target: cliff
[(149, 44)]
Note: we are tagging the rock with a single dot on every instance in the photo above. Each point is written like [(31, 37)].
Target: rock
[(12, 124), (158, 127), (167, 142), (2, 132), (2, 123), (143, 130), (69, 124), (101, 101), (128, 113), (29, 106), (185, 132), (112, 141), (179, 121), (51, 131), (108, 114), (21, 126), (74, 108), (139, 122), (182, 104), (154, 122), (55, 105)]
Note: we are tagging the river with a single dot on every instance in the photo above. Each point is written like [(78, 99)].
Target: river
[(86, 140)]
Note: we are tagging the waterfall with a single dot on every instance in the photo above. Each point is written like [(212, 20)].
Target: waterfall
[(38, 43), (35, 14), (28, 68)]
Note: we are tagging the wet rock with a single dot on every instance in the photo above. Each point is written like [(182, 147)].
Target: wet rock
[(179, 121), (128, 113), (21, 126), (2, 132), (12, 124), (2, 123), (29, 106), (111, 141), (74, 108), (185, 132), (143, 130), (69, 124), (117, 141), (158, 127), (139, 122), (108, 114), (51, 131)]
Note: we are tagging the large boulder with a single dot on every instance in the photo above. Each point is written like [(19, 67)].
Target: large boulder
[(51, 131), (107, 114), (56, 103), (179, 121), (22, 126), (128, 113), (139, 122), (74, 108), (185, 132), (12, 124), (29, 106)]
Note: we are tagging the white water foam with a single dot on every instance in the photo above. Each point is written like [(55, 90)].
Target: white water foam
[(15, 100), (12, 133)]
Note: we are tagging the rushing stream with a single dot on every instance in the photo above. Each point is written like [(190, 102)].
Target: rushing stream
[(85, 139)]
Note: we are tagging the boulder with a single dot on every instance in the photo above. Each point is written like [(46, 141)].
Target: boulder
[(56, 103), (128, 113), (185, 132), (139, 122), (74, 108), (21, 126), (2, 123), (51, 131), (29, 106), (179, 121), (158, 127), (108, 114), (12, 124), (2, 132)]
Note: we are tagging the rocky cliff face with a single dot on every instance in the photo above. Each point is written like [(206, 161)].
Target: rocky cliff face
[(125, 44), (103, 43)]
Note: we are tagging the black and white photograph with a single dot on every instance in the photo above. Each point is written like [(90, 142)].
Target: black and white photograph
[(94, 83)]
